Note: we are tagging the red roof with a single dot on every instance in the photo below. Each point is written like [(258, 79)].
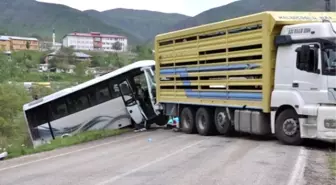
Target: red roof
[(92, 34)]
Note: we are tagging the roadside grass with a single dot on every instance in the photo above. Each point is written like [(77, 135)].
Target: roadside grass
[(20, 150), (332, 164)]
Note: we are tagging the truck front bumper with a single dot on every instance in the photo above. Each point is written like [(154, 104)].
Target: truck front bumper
[(326, 123)]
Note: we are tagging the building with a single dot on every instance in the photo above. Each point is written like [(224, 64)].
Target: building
[(10, 43), (79, 56), (95, 41), (20, 43), (4, 43)]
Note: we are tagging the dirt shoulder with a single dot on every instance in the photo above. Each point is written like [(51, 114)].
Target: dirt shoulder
[(320, 168)]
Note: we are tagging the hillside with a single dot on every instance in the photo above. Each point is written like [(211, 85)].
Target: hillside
[(141, 23), (245, 7), (28, 17)]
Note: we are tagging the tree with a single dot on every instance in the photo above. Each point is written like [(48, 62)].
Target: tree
[(40, 91), (63, 59), (9, 70), (81, 68), (12, 97), (143, 52), (117, 46), (98, 61), (28, 45)]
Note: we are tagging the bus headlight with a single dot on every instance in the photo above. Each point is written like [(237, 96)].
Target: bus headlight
[(330, 123)]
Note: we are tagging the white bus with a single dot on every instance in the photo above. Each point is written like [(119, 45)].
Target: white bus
[(115, 100)]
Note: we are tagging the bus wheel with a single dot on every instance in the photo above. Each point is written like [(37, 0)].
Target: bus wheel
[(287, 127), (222, 121), (204, 121), (187, 120)]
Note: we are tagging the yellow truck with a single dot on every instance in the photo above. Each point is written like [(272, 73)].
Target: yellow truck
[(266, 73)]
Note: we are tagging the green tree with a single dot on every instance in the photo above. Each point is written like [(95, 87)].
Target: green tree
[(81, 68), (12, 97), (143, 53), (40, 91), (9, 70), (98, 61), (63, 59), (117, 46), (28, 45)]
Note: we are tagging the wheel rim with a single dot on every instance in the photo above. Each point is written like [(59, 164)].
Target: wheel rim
[(221, 119), (290, 127), (201, 122)]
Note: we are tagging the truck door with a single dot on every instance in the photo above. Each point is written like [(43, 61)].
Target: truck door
[(308, 80), (132, 105)]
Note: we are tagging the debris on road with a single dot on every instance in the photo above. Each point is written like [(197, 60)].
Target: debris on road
[(3, 155)]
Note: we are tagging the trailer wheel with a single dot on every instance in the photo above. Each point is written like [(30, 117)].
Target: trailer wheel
[(188, 120), (222, 122), (204, 121), (287, 127)]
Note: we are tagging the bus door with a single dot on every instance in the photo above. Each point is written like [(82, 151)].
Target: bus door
[(132, 105)]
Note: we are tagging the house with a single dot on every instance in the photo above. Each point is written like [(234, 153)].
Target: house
[(21, 43), (4, 43), (80, 56)]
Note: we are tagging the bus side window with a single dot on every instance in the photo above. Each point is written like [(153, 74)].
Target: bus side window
[(92, 96), (77, 102), (59, 109), (115, 91), (103, 94)]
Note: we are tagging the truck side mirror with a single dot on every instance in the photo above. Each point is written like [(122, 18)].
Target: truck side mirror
[(303, 59), (304, 54)]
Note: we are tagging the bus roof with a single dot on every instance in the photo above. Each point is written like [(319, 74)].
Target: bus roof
[(64, 92)]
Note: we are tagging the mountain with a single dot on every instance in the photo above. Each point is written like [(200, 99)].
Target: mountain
[(141, 23), (28, 17), (246, 7)]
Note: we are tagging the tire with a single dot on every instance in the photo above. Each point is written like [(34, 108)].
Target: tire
[(148, 125), (204, 121), (188, 120), (222, 123), (291, 136), (161, 120)]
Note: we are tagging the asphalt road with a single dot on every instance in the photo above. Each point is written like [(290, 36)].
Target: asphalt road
[(163, 157)]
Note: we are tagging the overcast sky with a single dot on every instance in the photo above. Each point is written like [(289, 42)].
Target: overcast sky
[(187, 7)]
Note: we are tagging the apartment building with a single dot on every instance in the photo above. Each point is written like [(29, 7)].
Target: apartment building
[(95, 41), (4, 43), (20, 43)]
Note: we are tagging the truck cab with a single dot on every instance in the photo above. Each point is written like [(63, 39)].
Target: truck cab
[(305, 82)]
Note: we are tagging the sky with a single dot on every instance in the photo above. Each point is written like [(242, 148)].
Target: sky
[(186, 7)]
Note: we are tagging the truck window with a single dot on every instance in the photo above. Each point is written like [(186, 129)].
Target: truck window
[(329, 61), (311, 65)]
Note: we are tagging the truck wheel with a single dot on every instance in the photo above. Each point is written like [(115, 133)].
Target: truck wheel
[(188, 120), (287, 128), (204, 121), (161, 120), (222, 122)]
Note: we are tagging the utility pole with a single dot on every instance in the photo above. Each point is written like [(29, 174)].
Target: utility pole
[(327, 5)]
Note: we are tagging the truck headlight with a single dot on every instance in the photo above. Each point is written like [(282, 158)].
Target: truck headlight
[(330, 123)]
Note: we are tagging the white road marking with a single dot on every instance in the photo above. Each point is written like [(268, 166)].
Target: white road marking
[(68, 153), (117, 177), (296, 177)]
